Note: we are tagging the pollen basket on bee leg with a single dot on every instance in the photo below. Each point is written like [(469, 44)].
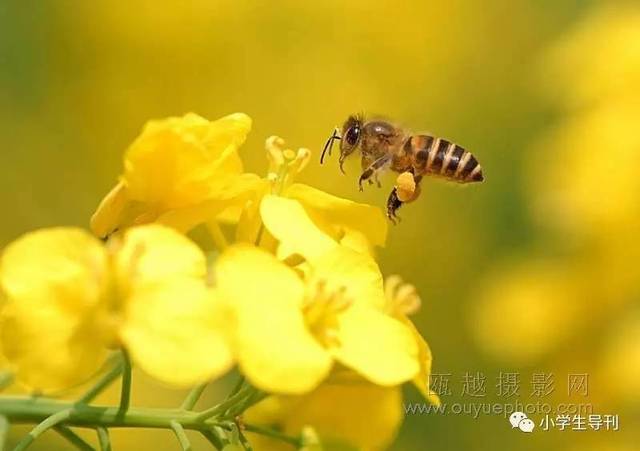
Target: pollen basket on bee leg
[(406, 187)]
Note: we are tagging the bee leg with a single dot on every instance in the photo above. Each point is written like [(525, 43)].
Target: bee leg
[(364, 176), (372, 170), (393, 204)]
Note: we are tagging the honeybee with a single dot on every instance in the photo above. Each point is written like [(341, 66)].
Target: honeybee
[(386, 146)]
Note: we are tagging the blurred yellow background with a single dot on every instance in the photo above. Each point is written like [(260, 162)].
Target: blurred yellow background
[(536, 270)]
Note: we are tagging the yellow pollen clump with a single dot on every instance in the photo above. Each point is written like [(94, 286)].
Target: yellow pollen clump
[(406, 187)]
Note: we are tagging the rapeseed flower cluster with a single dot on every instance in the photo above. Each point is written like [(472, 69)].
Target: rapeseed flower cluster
[(295, 300)]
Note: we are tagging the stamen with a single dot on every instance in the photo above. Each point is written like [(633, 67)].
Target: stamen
[(288, 154), (283, 163), (300, 160), (322, 310), (391, 285), (402, 298)]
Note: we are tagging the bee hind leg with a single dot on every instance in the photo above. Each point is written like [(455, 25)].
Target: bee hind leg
[(393, 204)]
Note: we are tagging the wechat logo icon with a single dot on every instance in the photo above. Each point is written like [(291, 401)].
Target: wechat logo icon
[(519, 420)]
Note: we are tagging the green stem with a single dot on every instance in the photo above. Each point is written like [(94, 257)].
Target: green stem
[(282, 178), (182, 436), (237, 387), (245, 443), (102, 383), (225, 405), (213, 439), (193, 396), (103, 438), (4, 431), (254, 398), (31, 410), (61, 415), (238, 437), (217, 235), (73, 438), (273, 434), (125, 393), (223, 434), (48, 423)]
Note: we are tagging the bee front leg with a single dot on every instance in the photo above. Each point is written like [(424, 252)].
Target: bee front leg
[(373, 170)]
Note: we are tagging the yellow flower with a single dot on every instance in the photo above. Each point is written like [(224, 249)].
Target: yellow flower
[(52, 282), (69, 299), (355, 225), (172, 324), (291, 225), (344, 411), (180, 171), (186, 171), (292, 329)]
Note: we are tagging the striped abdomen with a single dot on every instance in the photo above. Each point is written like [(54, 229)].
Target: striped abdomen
[(437, 156)]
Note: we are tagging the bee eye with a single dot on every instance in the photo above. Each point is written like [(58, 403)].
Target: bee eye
[(353, 134)]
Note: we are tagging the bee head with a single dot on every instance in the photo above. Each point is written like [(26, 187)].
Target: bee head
[(349, 139), (351, 133)]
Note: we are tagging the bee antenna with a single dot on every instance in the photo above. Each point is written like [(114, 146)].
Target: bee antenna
[(329, 145)]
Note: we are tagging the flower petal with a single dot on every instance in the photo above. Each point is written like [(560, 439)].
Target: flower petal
[(117, 212), (357, 241), (178, 162), (342, 214), (48, 353), (275, 350), (177, 332), (154, 253), (110, 211), (53, 282), (356, 273), (425, 358), (289, 223), (378, 347), (241, 190)]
